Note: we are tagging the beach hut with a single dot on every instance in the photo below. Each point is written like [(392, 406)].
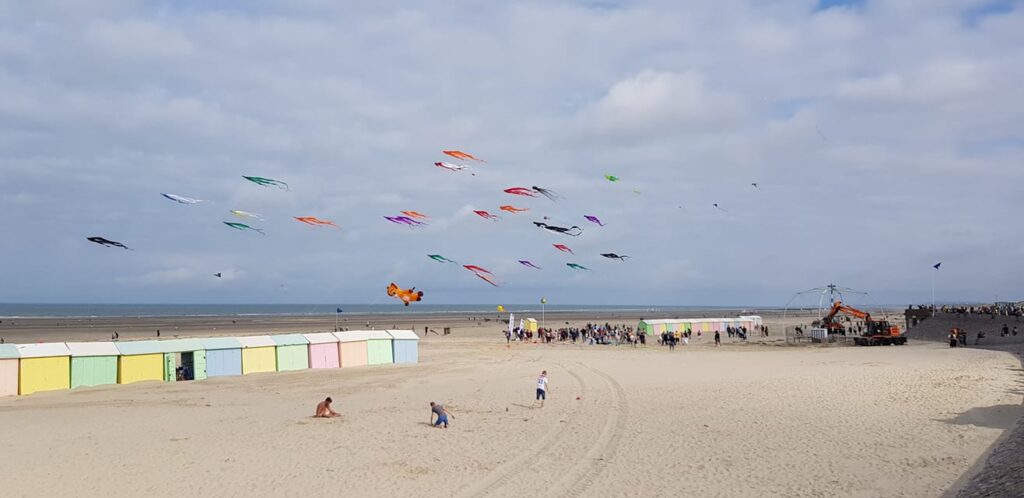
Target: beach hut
[(378, 348), (258, 354), (223, 356), (139, 361), (323, 350), (404, 346), (184, 359), (292, 352), (8, 370), (531, 325), (93, 363), (43, 367), (352, 347)]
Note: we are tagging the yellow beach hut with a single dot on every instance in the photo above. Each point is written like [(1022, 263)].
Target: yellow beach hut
[(139, 361), (44, 367), (8, 370), (258, 354)]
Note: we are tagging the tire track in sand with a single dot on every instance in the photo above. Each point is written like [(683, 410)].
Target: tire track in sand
[(504, 473), (604, 448)]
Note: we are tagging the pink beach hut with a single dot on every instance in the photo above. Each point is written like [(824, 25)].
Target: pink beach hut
[(8, 370), (323, 350)]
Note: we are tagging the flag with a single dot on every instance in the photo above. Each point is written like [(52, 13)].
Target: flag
[(937, 265), (339, 310), (511, 318)]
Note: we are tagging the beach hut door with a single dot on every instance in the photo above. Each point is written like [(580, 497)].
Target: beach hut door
[(199, 361), (170, 367)]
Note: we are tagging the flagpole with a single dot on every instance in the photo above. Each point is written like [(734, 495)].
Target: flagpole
[(936, 270)]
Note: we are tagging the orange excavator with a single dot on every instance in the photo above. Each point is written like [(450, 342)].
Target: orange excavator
[(877, 333)]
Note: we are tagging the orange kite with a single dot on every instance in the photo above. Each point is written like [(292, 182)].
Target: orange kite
[(406, 295), (458, 154), (513, 209), (414, 214), (314, 221)]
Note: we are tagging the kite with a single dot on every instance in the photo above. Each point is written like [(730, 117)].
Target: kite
[(489, 216), (501, 308), (573, 231), (512, 209), (404, 220), (637, 191), (527, 263), (575, 266), (611, 255), (937, 265), (415, 214), (217, 274), (314, 221), (476, 269), (106, 242), (247, 215), (754, 185), (520, 191), (406, 295), (267, 182), (454, 167), (486, 278), (563, 248), (719, 208), (611, 178), (180, 199), (439, 258), (243, 226), (820, 134), (458, 154), (482, 273), (550, 194), (593, 219)]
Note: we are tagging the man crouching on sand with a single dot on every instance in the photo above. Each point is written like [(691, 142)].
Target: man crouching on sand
[(442, 415), (323, 409)]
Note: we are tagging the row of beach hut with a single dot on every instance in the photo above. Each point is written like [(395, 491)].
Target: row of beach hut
[(656, 327), (29, 368)]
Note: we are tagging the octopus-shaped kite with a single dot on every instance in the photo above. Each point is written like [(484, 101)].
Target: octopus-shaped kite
[(267, 182), (415, 214), (611, 255), (180, 199), (512, 209), (593, 219), (247, 215), (439, 258), (454, 167), (405, 220), (520, 191), (575, 266), (550, 194), (243, 226), (527, 263), (573, 231), (486, 215), (107, 243), (465, 156), (314, 221), (563, 248)]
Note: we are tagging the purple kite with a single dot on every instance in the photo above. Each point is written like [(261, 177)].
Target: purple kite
[(593, 219), (527, 263)]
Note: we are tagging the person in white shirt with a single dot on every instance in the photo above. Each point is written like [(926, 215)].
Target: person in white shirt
[(542, 387)]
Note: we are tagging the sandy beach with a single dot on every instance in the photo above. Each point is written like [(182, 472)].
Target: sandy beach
[(759, 419)]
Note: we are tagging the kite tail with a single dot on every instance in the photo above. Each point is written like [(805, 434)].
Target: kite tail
[(577, 234)]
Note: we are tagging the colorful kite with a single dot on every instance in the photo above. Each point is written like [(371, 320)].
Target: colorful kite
[(267, 182), (573, 231), (458, 154), (611, 255), (180, 199), (486, 215), (575, 266), (107, 242), (454, 167), (593, 219), (476, 269), (482, 273), (527, 263), (405, 220), (316, 222), (563, 248), (512, 209), (415, 214), (439, 258), (243, 226), (486, 278), (611, 178), (520, 191), (247, 215), (550, 194), (406, 295)]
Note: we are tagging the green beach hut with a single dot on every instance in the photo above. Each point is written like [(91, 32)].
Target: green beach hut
[(292, 352), (378, 348), (184, 359), (93, 363)]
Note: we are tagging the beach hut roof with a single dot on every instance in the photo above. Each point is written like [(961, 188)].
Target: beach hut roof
[(139, 347), (181, 345), (289, 339), (353, 335), (404, 335), (8, 351), (531, 320), (214, 343), (92, 349), (750, 317), (256, 341), (320, 338), (42, 350)]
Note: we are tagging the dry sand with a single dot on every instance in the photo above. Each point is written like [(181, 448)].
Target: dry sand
[(741, 420)]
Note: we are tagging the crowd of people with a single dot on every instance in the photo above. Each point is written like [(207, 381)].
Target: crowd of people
[(607, 333), (996, 309)]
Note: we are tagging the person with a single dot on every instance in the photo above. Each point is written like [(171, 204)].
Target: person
[(442, 415), (1006, 331), (542, 387), (1014, 330), (952, 338), (323, 409), (718, 339)]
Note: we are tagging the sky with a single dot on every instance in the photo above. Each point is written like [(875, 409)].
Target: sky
[(884, 136)]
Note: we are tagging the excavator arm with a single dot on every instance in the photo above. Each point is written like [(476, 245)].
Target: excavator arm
[(839, 307)]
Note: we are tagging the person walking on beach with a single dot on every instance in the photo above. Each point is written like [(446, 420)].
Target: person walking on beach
[(323, 409), (442, 415), (542, 387), (718, 339)]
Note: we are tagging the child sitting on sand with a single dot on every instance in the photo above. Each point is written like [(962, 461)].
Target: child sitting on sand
[(323, 409)]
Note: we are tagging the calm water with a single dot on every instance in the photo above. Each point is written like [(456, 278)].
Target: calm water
[(164, 310)]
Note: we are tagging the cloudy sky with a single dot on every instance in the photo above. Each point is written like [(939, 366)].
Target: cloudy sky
[(885, 136)]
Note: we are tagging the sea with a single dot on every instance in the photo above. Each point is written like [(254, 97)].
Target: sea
[(39, 310)]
